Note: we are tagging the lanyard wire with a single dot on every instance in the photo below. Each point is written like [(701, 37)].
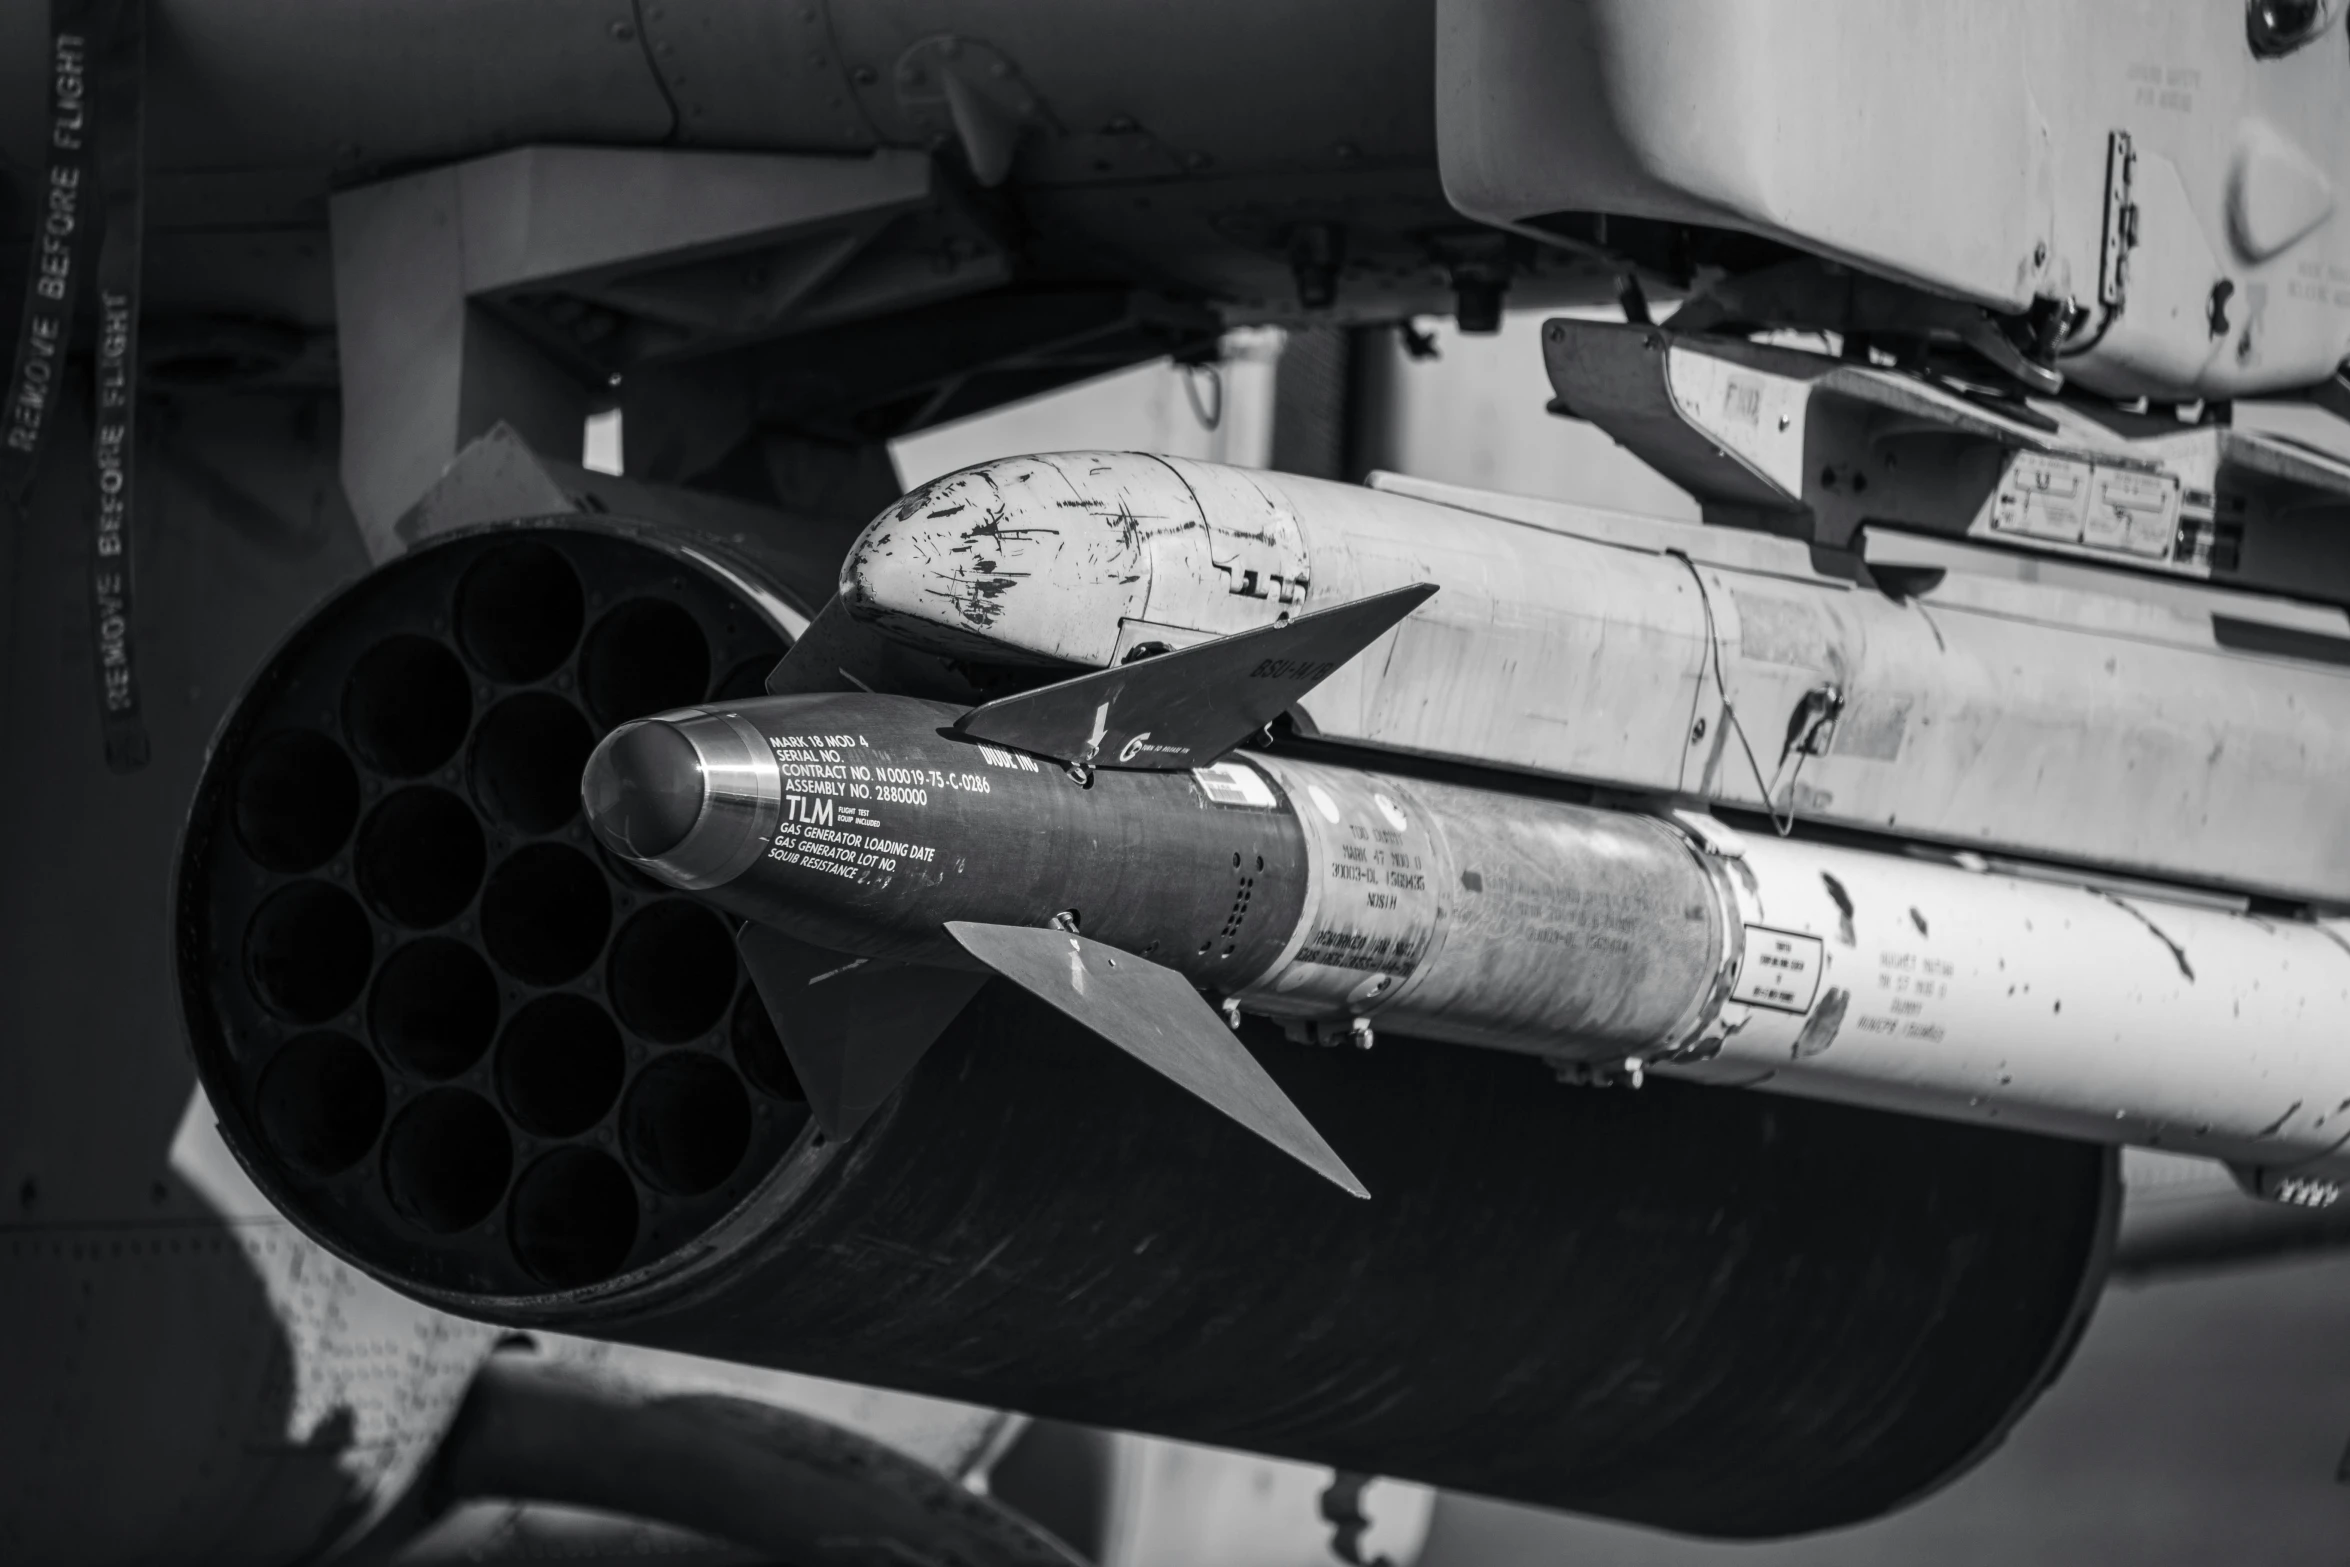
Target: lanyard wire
[(1828, 701)]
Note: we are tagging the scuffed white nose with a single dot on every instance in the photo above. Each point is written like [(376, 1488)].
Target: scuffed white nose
[(1026, 559)]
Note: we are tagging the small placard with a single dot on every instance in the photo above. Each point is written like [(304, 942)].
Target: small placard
[(2042, 497), (1779, 969), (2136, 512), (1235, 783)]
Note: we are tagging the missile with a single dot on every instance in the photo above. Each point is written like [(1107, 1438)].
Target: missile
[(1930, 688), (827, 823), (1100, 842)]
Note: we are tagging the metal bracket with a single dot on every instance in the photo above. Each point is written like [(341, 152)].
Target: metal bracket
[(2121, 224), (516, 287)]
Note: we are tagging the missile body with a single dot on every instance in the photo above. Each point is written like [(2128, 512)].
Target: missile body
[(1955, 696), (1343, 900), (874, 829), (1308, 892)]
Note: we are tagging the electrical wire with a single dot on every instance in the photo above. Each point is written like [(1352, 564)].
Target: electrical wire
[(1209, 417), (1783, 826)]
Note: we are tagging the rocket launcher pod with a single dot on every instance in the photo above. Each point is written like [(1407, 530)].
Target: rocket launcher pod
[(550, 1096)]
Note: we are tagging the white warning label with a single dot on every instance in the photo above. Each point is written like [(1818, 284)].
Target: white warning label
[(1779, 969), (1235, 783)]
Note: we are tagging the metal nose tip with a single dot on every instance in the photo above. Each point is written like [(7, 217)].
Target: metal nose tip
[(691, 796), (643, 789)]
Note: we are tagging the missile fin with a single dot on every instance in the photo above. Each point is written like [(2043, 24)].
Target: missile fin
[(1186, 708), (837, 653), (851, 1027), (814, 662), (1152, 1013)]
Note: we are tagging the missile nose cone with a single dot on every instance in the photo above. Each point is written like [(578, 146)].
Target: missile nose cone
[(643, 789), (690, 796), (947, 568)]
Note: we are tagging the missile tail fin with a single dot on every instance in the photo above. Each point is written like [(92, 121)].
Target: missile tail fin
[(838, 653), (814, 663), (1152, 1013), (852, 1028), (1186, 708)]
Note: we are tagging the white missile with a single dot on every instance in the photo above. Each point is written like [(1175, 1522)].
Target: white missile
[(1924, 688)]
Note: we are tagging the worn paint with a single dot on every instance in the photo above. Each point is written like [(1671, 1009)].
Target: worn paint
[(1011, 559), (2177, 952), (2278, 1124), (1819, 1030), (1843, 901)]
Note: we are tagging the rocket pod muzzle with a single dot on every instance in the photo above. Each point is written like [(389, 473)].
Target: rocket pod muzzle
[(441, 1023)]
